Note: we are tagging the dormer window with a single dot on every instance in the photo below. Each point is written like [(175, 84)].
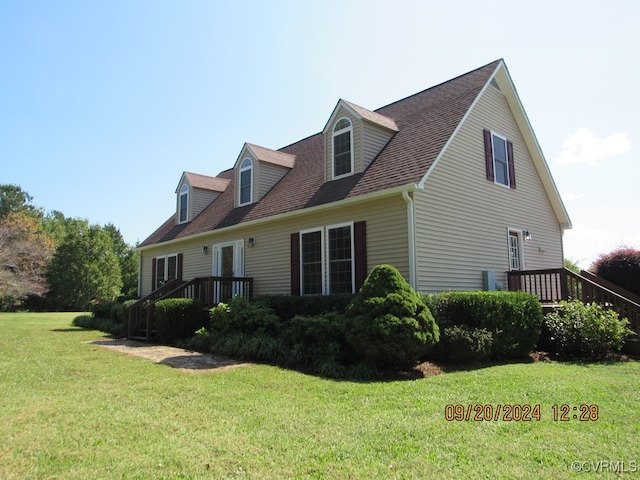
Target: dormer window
[(183, 203), (246, 181), (342, 148)]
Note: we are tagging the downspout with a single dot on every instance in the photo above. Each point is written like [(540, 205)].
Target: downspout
[(139, 274), (411, 235)]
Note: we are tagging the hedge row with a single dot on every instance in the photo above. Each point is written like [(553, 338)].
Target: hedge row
[(513, 319)]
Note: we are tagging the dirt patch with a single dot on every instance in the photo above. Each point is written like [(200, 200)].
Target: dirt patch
[(174, 357)]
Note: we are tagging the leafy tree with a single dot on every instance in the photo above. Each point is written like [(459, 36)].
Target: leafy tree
[(621, 267), (572, 265), (14, 199), (84, 268), (24, 252), (127, 258)]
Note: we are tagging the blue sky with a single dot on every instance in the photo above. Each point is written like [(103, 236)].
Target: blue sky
[(103, 104)]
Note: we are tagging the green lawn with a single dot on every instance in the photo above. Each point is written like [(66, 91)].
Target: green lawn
[(70, 409)]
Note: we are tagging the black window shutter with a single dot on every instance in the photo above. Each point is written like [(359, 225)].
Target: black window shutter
[(179, 266), (360, 252), (295, 264), (488, 155), (153, 273), (512, 168)]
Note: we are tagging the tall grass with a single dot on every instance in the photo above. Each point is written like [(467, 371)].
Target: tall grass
[(72, 409)]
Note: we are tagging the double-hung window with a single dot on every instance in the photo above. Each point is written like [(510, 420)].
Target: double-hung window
[(327, 260), (499, 161), (183, 204), (342, 148), (246, 180)]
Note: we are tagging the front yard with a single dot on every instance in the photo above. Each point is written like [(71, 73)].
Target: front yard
[(73, 409)]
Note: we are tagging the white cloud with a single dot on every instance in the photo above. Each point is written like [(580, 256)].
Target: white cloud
[(584, 244), (584, 147), (571, 197)]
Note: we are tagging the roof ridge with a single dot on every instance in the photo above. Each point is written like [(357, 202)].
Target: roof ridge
[(495, 62)]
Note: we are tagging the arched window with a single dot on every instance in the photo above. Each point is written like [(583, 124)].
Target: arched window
[(342, 148), (183, 204), (246, 180)]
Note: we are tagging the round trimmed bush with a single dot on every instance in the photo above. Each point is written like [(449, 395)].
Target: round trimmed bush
[(388, 324)]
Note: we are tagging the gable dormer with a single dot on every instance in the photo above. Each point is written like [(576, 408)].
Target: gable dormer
[(194, 193), (257, 170), (353, 137)]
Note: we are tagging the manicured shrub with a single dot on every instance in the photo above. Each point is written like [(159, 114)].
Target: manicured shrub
[(621, 267), (316, 340), (178, 318), (101, 308), (242, 316), (461, 343), (200, 341), (387, 321), (106, 325), (287, 307), (576, 330), (513, 318)]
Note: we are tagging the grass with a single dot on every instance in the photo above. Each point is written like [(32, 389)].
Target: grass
[(71, 409)]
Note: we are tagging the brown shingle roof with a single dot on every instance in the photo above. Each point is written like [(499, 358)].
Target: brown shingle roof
[(273, 156), (207, 183), (425, 122)]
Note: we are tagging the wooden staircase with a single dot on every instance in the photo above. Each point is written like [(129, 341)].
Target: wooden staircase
[(553, 285), (209, 290)]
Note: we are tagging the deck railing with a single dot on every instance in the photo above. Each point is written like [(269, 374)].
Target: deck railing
[(136, 313), (554, 285), (209, 290)]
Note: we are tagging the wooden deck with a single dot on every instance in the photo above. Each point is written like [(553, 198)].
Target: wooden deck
[(554, 285)]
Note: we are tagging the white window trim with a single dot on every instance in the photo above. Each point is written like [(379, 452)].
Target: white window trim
[(351, 149), (518, 232), (493, 158), (240, 171), (180, 194), (353, 265), (325, 257), (166, 267)]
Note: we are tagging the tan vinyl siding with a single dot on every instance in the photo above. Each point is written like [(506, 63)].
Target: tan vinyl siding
[(268, 262), (199, 200), (374, 139), (357, 143), (270, 174), (462, 219)]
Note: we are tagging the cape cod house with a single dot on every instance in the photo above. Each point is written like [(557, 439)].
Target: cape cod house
[(449, 185)]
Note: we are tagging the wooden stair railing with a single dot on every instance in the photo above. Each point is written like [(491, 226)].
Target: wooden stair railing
[(554, 285), (137, 314), (209, 290)]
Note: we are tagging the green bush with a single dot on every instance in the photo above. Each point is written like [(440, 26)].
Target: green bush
[(461, 343), (387, 322), (243, 316), (101, 308), (106, 325), (287, 307), (200, 341), (178, 318), (317, 340), (513, 318), (576, 330)]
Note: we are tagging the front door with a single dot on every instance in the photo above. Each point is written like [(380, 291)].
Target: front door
[(228, 263)]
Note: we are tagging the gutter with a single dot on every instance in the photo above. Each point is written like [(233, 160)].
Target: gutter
[(300, 212)]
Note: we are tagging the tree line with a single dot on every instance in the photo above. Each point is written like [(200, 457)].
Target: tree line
[(52, 262)]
